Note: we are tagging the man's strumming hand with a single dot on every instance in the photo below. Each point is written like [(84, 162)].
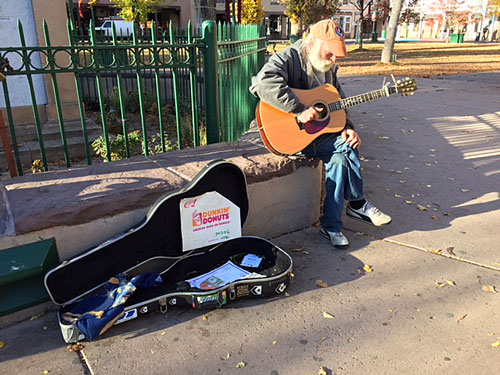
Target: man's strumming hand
[(351, 138), (310, 114)]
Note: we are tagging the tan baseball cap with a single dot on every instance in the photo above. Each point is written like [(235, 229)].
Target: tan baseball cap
[(332, 33)]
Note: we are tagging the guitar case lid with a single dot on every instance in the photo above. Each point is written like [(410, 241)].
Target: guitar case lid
[(158, 234)]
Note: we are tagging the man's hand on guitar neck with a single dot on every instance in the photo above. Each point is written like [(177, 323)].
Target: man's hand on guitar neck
[(310, 114), (351, 138)]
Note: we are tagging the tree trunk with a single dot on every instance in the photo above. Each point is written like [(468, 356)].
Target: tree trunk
[(391, 32), (202, 10), (360, 32)]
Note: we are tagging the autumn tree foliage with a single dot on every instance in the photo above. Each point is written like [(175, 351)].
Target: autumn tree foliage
[(135, 10), (252, 12), (493, 8), (307, 12)]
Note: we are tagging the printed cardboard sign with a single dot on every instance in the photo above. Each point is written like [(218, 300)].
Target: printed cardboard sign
[(208, 219)]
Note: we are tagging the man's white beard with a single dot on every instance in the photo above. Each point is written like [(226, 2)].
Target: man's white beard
[(321, 65)]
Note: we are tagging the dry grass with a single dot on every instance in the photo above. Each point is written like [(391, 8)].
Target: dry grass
[(421, 59)]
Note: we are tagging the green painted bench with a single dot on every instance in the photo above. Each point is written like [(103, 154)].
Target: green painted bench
[(22, 272)]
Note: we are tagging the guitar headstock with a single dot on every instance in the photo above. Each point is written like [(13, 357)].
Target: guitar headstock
[(405, 87)]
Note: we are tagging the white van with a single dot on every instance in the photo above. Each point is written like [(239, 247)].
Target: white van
[(123, 28)]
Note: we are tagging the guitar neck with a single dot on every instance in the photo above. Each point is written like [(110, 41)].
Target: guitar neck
[(360, 99)]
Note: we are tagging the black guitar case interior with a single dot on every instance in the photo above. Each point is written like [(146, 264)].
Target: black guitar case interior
[(155, 245)]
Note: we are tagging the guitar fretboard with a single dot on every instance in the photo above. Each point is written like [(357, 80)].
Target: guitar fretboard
[(358, 99)]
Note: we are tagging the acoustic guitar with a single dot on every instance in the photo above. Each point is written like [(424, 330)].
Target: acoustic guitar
[(283, 134)]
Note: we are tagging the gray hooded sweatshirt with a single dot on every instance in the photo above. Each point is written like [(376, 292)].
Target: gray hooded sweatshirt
[(288, 69)]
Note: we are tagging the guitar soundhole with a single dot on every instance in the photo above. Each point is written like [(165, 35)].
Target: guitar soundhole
[(324, 113)]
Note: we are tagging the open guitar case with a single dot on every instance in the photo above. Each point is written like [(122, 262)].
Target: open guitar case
[(155, 245)]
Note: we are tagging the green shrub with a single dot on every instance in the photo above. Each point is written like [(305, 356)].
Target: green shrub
[(131, 101), (136, 146), (117, 145)]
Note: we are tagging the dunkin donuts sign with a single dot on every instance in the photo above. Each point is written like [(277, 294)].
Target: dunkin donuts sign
[(208, 219)]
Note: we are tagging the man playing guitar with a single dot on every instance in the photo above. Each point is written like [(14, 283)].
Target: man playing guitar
[(307, 64)]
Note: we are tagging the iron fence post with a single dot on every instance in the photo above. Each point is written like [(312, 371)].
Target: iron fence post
[(211, 74)]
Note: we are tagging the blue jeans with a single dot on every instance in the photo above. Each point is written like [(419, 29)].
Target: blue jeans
[(342, 176)]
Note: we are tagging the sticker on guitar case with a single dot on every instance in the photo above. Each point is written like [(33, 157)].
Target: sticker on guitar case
[(129, 315), (257, 290), (208, 219), (280, 288)]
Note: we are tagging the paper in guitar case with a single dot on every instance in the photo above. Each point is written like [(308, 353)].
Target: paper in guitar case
[(118, 279)]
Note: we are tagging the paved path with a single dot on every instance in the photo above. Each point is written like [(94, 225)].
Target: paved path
[(439, 149)]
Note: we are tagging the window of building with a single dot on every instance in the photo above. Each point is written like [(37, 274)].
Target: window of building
[(345, 21)]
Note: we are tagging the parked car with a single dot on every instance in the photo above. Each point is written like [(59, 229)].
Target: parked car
[(123, 28)]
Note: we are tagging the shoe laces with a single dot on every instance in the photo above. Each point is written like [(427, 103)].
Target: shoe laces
[(370, 207)]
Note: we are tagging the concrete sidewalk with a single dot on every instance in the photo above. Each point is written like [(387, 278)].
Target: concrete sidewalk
[(432, 161)]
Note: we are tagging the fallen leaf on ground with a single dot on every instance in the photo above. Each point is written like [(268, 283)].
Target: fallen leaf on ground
[(322, 340), (421, 208), (397, 196), (383, 138), (461, 318), (46, 372), (327, 315), (489, 288), (446, 214), (465, 190), (205, 318), (435, 217), (368, 268), (408, 202), (452, 283), (451, 179), (2, 344), (275, 342), (359, 271), (322, 371), (438, 251), (74, 348), (38, 316), (298, 249), (496, 344), (321, 284), (241, 365), (439, 284), (228, 355), (449, 250), (491, 334)]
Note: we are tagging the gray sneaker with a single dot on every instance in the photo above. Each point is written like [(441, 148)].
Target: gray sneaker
[(337, 239), (369, 214)]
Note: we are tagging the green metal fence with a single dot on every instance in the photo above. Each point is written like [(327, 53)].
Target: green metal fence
[(202, 81)]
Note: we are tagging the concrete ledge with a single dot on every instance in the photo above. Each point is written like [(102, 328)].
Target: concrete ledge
[(85, 206)]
